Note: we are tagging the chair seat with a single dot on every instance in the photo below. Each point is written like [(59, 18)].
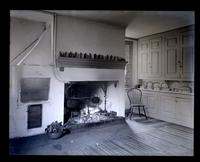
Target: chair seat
[(136, 104)]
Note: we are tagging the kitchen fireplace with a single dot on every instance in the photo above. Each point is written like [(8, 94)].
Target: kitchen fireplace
[(93, 86), (88, 101)]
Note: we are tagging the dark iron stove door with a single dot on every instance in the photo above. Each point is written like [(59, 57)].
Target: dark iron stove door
[(34, 116)]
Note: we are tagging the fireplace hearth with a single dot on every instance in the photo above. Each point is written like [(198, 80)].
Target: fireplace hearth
[(92, 117), (87, 102)]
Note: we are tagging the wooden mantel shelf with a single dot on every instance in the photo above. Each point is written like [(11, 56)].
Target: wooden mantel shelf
[(89, 63)]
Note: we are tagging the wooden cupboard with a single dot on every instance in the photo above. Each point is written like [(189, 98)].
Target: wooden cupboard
[(168, 56), (171, 107), (177, 109)]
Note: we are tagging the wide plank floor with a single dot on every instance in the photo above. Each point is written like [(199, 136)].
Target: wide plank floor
[(138, 137)]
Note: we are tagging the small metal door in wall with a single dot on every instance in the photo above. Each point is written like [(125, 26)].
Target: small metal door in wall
[(34, 116)]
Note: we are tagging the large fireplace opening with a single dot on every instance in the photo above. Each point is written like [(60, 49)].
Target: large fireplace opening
[(88, 101)]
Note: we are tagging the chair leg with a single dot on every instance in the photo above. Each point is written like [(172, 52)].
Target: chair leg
[(144, 112), (139, 111), (128, 113), (131, 112)]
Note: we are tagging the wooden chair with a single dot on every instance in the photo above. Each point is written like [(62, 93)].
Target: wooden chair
[(135, 97)]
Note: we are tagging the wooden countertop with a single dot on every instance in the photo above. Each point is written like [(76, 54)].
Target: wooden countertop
[(164, 91)]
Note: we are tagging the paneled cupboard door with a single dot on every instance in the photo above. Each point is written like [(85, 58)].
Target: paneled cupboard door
[(168, 108), (185, 111), (143, 59), (171, 56), (187, 55), (155, 52), (150, 102), (150, 57)]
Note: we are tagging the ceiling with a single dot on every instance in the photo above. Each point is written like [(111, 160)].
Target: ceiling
[(137, 23), (32, 15)]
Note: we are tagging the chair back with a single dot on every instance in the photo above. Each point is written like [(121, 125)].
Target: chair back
[(134, 95)]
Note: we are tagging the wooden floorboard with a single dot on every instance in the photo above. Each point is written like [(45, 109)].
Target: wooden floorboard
[(181, 128), (154, 142), (137, 148), (105, 149), (137, 137), (114, 149), (171, 139), (176, 132)]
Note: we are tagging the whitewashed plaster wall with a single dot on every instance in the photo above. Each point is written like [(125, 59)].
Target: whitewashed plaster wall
[(72, 34), (89, 36), (38, 64)]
